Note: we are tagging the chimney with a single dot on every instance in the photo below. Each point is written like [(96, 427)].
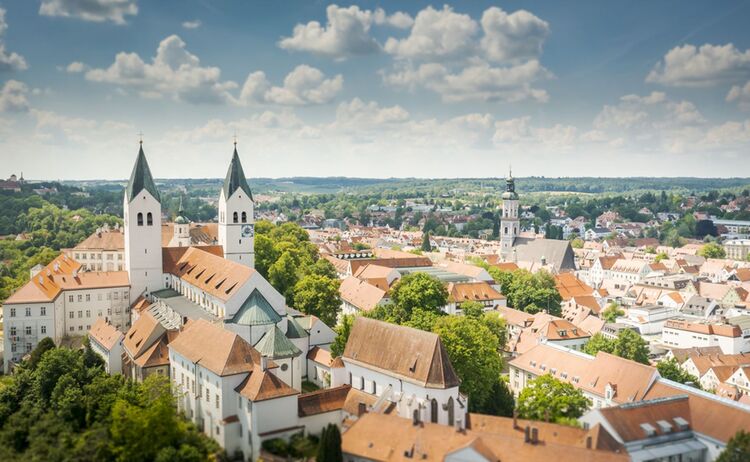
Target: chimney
[(527, 434), (263, 363), (515, 419), (415, 417), (534, 435), (588, 442), (361, 409)]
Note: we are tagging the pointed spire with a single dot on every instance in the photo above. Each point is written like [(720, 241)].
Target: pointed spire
[(180, 210), (236, 177), (141, 178)]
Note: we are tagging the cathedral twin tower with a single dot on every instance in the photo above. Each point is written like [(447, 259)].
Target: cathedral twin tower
[(143, 229)]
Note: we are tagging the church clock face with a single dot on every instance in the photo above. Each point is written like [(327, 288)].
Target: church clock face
[(248, 231)]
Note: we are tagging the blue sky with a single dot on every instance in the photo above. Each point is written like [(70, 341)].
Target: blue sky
[(375, 89)]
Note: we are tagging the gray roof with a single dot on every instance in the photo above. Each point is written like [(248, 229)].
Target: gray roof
[(236, 178), (557, 253), (256, 311), (141, 179), (275, 345), (294, 329)]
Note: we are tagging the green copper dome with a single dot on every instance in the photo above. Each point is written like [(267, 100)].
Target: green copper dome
[(275, 345)]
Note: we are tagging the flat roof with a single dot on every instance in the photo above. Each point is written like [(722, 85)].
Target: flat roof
[(165, 308), (440, 273)]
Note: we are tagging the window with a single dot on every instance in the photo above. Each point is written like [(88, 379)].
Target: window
[(450, 411), (80, 314), (80, 298), (72, 328), (244, 217), (88, 297), (88, 313), (28, 330), (28, 311), (234, 217), (28, 347), (150, 219), (140, 219), (433, 411), (12, 331), (71, 315), (43, 311), (12, 312), (43, 329), (217, 401)]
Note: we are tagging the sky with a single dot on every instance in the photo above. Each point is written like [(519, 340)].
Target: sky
[(375, 89)]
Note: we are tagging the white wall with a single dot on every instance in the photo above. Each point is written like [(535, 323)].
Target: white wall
[(237, 247), (143, 244)]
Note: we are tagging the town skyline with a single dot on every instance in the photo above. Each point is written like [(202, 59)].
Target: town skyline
[(392, 90)]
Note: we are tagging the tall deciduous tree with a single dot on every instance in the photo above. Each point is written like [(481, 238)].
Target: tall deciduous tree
[(343, 329), (472, 349), (670, 369), (419, 290), (738, 448), (319, 296), (549, 399)]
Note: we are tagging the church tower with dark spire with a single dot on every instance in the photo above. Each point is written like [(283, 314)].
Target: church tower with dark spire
[(509, 224), (142, 216), (236, 219)]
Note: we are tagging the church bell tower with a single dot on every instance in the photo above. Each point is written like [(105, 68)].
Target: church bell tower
[(509, 224), (142, 217), (236, 219)]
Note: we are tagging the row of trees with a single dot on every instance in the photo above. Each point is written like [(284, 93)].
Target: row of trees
[(285, 256), (60, 405)]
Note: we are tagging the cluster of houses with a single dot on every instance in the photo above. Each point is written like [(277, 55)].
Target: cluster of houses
[(184, 301)]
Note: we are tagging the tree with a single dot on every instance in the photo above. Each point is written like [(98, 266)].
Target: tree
[(712, 250), (597, 343), (547, 398), (343, 329), (426, 246), (738, 448), (630, 345), (42, 347), (660, 256), (577, 243), (529, 292), (670, 369), (329, 449), (472, 350), (500, 402), (497, 325), (471, 308), (318, 296), (419, 290), (423, 319), (612, 312)]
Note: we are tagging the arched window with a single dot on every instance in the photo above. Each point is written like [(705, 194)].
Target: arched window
[(244, 217), (234, 217), (450, 411), (140, 219), (149, 219), (433, 411)]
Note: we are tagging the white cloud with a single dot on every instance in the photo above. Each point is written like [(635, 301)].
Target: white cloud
[(479, 81), (358, 114), (192, 24), (9, 61), (304, 85), (90, 10), (399, 19), (346, 34), (740, 95), (519, 35), (75, 67), (445, 53), (690, 66), (520, 132), (174, 72), (436, 34), (13, 97)]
